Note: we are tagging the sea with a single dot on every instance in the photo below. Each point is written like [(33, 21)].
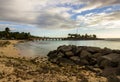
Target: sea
[(42, 48)]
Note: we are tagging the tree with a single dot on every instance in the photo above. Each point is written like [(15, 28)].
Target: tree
[(94, 36), (7, 30)]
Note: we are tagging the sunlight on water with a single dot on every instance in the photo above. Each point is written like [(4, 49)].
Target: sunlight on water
[(43, 47)]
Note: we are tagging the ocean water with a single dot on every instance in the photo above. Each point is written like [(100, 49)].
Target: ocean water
[(42, 48)]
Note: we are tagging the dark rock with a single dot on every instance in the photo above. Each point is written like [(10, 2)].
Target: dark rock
[(84, 62), (78, 50), (60, 54), (64, 48), (52, 54), (65, 61), (76, 59), (110, 60), (85, 54), (106, 51), (116, 51), (110, 71), (92, 61), (74, 48), (96, 55), (69, 53), (93, 49), (114, 78)]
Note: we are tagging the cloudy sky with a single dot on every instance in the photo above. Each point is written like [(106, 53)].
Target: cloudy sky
[(60, 17)]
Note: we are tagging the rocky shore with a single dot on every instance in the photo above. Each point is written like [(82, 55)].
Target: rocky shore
[(66, 64), (104, 62)]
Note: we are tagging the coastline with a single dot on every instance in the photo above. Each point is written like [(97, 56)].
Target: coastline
[(17, 68), (10, 50)]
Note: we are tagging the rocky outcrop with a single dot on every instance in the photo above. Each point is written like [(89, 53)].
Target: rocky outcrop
[(91, 57)]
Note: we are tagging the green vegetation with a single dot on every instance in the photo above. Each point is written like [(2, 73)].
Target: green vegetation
[(81, 37), (14, 35)]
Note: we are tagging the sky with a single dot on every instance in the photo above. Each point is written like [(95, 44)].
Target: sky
[(57, 18)]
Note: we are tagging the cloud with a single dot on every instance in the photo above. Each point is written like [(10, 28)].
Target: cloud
[(41, 13), (46, 13), (100, 21), (92, 4)]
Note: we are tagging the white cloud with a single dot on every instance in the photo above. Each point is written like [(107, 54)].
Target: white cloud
[(100, 21), (45, 13)]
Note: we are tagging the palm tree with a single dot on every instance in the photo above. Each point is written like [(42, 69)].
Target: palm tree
[(7, 31), (94, 36)]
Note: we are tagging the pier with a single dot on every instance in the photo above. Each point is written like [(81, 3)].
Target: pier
[(48, 39)]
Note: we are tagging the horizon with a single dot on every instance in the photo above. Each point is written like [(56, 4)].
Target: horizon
[(57, 18)]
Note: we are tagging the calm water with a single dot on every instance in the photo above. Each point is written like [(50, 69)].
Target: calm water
[(41, 48)]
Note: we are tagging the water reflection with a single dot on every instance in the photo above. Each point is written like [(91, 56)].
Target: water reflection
[(43, 47)]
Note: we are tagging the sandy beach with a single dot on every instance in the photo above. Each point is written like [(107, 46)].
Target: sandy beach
[(10, 49)]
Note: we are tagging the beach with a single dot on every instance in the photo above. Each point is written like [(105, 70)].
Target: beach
[(17, 68), (10, 49)]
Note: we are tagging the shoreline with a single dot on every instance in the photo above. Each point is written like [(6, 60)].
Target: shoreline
[(17, 68), (10, 49)]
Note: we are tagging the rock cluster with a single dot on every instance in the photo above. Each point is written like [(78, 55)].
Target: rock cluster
[(91, 57)]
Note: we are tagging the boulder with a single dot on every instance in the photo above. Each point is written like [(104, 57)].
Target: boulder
[(96, 55), (52, 54), (69, 53), (54, 57), (116, 51), (65, 61), (106, 51), (76, 59), (85, 54), (92, 61), (114, 78), (64, 48), (78, 50), (93, 49), (84, 62), (74, 48), (110, 60)]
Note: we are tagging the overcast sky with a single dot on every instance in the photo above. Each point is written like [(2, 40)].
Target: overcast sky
[(60, 17)]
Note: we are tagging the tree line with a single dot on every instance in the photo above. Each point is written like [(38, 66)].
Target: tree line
[(6, 34), (78, 36)]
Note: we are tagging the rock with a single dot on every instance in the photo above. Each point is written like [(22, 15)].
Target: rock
[(110, 60), (60, 54), (114, 78), (96, 55), (52, 54), (92, 61), (76, 59), (116, 51), (74, 48), (78, 50), (84, 62), (106, 51), (93, 49), (85, 54), (64, 48), (110, 71), (65, 61), (69, 53)]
